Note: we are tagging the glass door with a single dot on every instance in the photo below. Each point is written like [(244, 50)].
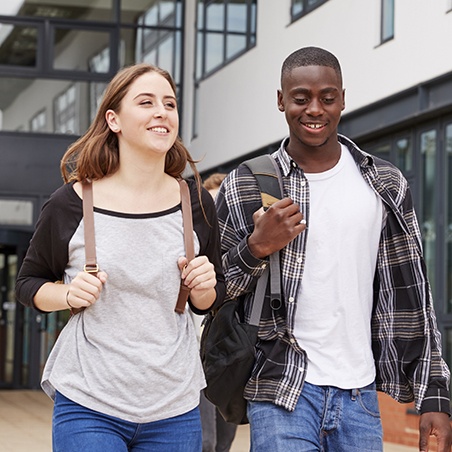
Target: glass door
[(8, 320)]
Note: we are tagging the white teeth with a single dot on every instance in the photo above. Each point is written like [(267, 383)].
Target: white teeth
[(159, 129), (314, 126)]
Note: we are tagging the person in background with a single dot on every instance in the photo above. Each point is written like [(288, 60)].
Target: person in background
[(357, 314), (125, 372), (213, 182), (217, 434)]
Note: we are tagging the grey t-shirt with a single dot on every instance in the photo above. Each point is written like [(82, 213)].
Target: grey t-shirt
[(130, 355), (143, 367)]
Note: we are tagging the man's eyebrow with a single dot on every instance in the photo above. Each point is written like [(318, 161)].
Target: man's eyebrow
[(329, 89)]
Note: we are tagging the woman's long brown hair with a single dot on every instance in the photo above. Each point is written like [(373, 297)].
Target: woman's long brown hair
[(96, 153)]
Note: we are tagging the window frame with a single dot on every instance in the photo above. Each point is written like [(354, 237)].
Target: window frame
[(202, 31), (307, 8), (387, 12)]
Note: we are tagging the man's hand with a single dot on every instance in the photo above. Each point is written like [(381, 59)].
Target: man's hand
[(436, 424), (275, 228)]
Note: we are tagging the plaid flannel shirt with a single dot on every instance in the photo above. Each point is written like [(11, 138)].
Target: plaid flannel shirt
[(405, 340)]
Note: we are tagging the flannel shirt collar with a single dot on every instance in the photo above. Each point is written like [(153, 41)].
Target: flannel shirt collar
[(287, 163)]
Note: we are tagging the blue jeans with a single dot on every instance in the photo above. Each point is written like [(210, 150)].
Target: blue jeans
[(76, 428), (325, 419)]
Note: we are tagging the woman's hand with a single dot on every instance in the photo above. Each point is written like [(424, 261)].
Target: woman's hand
[(199, 275), (84, 290)]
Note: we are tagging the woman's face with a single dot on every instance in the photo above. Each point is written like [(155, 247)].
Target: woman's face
[(148, 120)]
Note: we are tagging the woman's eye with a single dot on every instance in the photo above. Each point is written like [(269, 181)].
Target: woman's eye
[(170, 105), (146, 102)]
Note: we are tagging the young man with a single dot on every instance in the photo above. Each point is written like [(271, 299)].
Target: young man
[(357, 313)]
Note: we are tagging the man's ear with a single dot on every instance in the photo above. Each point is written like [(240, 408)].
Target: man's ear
[(280, 100), (343, 99)]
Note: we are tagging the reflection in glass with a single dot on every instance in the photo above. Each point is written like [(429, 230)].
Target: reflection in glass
[(59, 9), (98, 63), (214, 51), (225, 30), (234, 45), (39, 122), (448, 216), (428, 154), (304, 6), (74, 48), (65, 111), (159, 45), (157, 12), (215, 16), (383, 151), (404, 154), (43, 95), (18, 45), (387, 20), (297, 7), (236, 17)]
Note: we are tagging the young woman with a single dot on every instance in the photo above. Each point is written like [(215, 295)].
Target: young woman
[(125, 372)]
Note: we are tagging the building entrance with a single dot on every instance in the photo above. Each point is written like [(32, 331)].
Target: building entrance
[(26, 336)]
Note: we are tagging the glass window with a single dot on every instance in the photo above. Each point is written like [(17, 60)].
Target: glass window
[(404, 154), (448, 348), (97, 63), (59, 9), (301, 7), (18, 44), (39, 122), (387, 20), (160, 45), (448, 216), (226, 29), (383, 151), (16, 212), (428, 222), (65, 112), (39, 95), (157, 12), (73, 48), (43, 49)]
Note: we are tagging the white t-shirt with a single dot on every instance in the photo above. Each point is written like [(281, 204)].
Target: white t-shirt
[(334, 306)]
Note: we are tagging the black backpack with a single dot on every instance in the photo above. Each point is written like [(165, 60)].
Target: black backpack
[(227, 343)]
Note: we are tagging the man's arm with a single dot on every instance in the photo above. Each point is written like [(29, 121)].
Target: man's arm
[(248, 234)]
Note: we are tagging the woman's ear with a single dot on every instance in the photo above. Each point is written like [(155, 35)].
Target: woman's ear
[(112, 121)]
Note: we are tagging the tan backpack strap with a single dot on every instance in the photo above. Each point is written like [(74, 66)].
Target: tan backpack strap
[(88, 223), (188, 241)]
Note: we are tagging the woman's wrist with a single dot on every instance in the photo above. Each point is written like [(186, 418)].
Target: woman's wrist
[(67, 300)]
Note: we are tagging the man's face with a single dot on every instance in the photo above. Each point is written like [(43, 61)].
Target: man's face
[(312, 99)]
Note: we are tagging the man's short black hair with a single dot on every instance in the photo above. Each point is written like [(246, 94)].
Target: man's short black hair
[(310, 56)]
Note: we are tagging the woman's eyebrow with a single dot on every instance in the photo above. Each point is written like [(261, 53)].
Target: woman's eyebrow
[(153, 96)]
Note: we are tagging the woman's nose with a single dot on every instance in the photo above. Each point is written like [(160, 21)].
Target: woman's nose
[(160, 111)]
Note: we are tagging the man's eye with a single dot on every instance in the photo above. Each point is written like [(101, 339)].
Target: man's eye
[(301, 100), (328, 100)]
